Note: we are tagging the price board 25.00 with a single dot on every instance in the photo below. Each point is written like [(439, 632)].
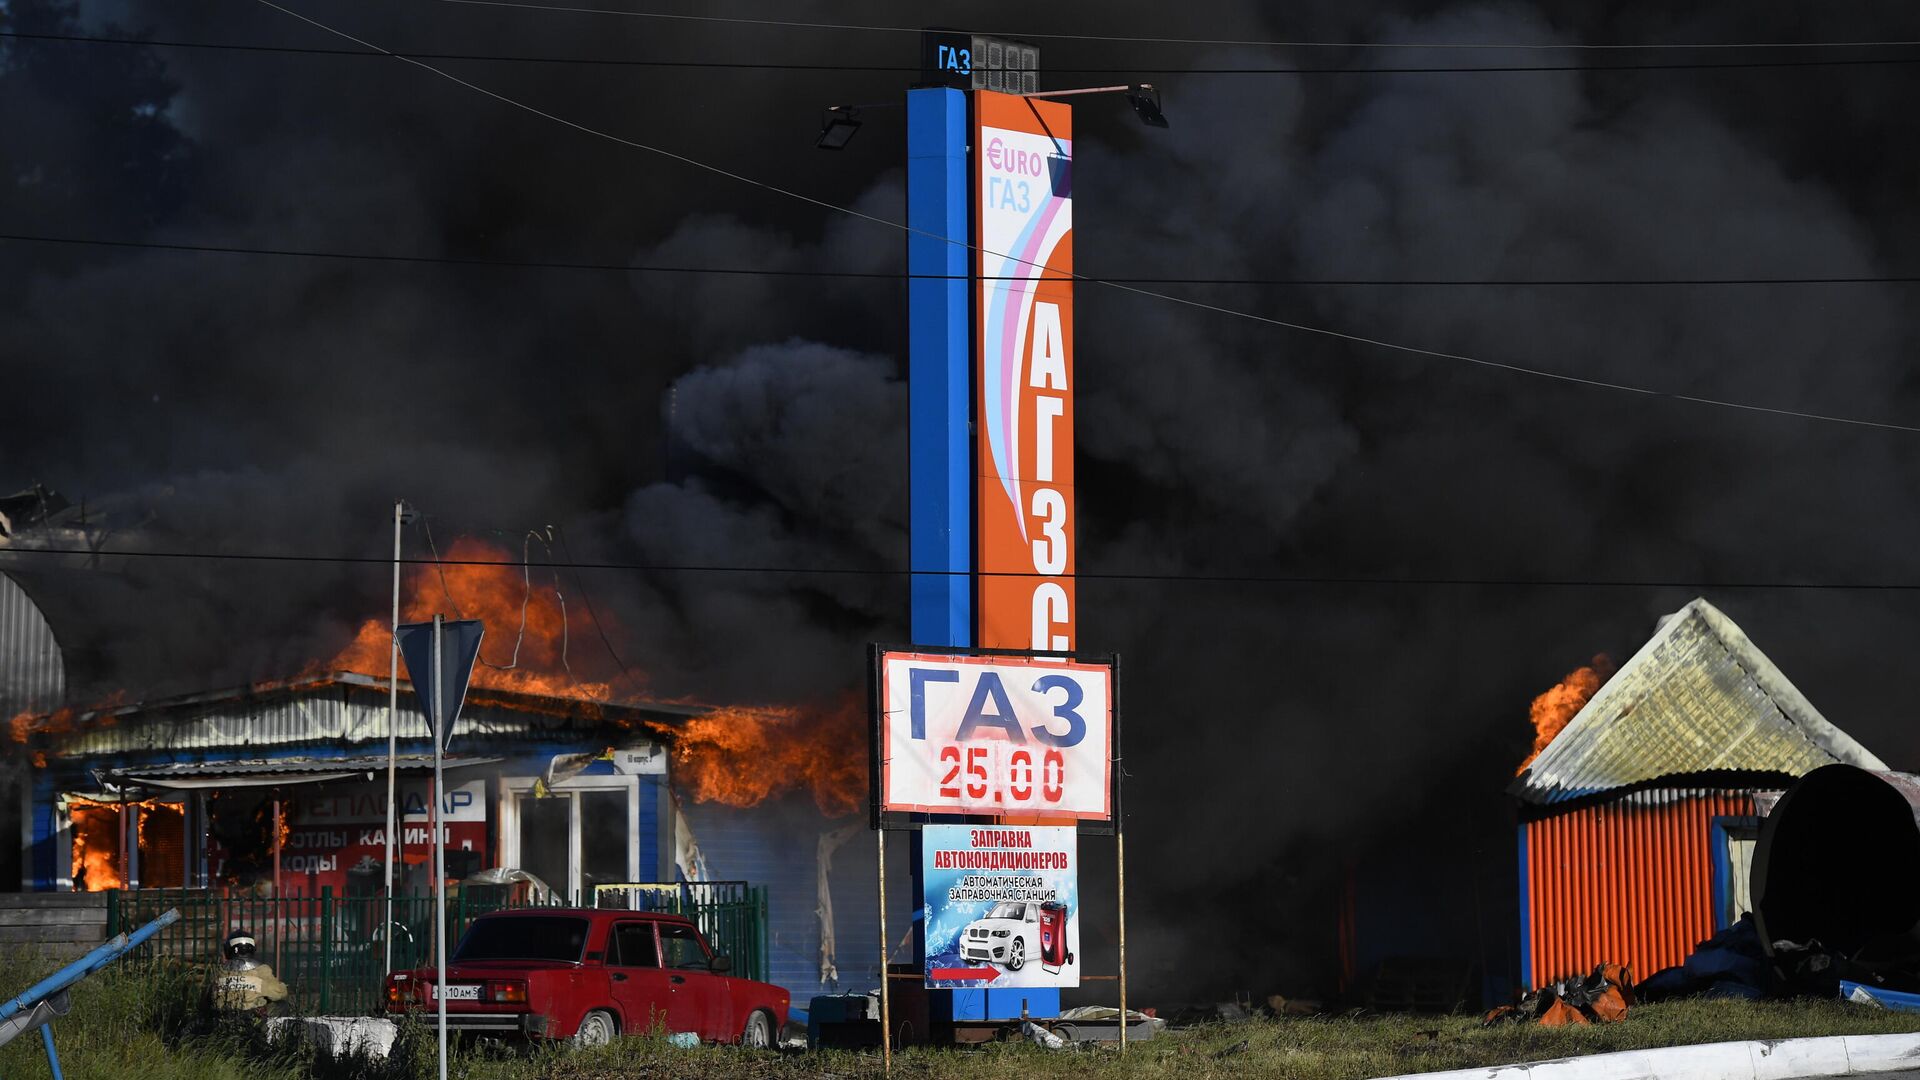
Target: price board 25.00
[(994, 734)]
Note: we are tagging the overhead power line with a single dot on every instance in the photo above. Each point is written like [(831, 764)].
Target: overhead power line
[(1529, 46), (897, 275), (1435, 581), (1136, 70), (1338, 335)]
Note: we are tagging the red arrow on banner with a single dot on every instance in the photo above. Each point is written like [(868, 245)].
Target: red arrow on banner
[(985, 974)]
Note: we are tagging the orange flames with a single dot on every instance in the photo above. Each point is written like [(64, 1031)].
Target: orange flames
[(96, 844), (1552, 710), (25, 727), (734, 756), (551, 653), (744, 756)]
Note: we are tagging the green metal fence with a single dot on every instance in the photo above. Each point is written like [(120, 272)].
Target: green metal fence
[(331, 951)]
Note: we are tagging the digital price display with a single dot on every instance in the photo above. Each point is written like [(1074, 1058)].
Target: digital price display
[(979, 62)]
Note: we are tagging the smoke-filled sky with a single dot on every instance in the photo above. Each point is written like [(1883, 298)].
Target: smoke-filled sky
[(1276, 731)]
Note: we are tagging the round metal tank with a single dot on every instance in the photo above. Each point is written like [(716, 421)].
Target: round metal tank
[(33, 675), (1838, 862)]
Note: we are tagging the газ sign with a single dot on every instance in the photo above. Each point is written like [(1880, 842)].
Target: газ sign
[(1023, 151), (994, 735)]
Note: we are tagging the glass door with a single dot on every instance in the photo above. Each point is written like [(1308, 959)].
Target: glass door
[(580, 835)]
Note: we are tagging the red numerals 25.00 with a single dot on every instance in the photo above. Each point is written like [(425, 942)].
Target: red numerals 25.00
[(1012, 774)]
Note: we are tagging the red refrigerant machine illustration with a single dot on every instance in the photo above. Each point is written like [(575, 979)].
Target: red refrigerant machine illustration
[(1053, 937)]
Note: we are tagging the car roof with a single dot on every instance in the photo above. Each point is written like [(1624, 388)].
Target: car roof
[(586, 913)]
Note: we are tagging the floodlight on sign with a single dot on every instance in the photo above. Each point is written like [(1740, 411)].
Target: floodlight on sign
[(1145, 100), (837, 128)]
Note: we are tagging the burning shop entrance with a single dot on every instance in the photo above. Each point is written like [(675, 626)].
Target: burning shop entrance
[(278, 789), (146, 796)]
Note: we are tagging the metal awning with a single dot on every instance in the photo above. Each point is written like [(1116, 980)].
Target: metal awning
[(281, 772)]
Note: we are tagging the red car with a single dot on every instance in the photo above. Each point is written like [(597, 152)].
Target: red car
[(588, 974)]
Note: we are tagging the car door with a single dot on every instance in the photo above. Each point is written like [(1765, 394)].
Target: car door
[(640, 987), (700, 1001)]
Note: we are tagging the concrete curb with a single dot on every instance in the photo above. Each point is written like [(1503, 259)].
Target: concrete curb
[(1777, 1059)]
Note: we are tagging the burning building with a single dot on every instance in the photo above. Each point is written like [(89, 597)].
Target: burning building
[(280, 787), (1639, 815)]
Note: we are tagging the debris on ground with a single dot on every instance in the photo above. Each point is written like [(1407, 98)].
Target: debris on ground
[(1040, 1036), (1601, 998), (1730, 964), (340, 1036), (1878, 997), (1281, 1005), (1101, 1023)]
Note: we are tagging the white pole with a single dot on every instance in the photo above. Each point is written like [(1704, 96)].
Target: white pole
[(439, 849), (886, 991), (393, 702)]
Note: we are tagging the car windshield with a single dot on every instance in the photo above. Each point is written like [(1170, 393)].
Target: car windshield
[(1008, 909), (524, 937)]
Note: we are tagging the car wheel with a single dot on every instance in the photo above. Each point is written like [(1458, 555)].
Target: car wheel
[(1017, 954), (596, 1029), (759, 1032)]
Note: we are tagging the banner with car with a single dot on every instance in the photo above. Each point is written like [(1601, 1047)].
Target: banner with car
[(1002, 906)]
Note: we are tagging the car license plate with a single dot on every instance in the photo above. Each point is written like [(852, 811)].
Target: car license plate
[(456, 992)]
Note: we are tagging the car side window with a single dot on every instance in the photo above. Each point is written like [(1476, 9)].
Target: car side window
[(633, 946), (681, 946)]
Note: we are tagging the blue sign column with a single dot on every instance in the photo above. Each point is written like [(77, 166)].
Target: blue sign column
[(939, 369), (940, 441)]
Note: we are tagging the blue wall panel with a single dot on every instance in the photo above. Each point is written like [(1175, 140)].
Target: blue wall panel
[(776, 845)]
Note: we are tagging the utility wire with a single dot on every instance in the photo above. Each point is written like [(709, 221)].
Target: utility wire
[(762, 65), (1358, 339), (790, 24), (900, 275), (1114, 576), (636, 684)]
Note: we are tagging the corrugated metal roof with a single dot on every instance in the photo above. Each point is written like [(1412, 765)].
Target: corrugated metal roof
[(1698, 697), (33, 675), (294, 766), (339, 708)]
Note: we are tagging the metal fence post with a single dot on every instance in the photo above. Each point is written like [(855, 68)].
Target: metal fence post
[(113, 912), (764, 959), (326, 947)]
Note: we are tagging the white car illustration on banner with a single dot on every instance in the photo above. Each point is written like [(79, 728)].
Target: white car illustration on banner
[(1009, 936)]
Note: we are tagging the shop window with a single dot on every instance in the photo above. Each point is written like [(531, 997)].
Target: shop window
[(162, 845), (576, 837), (603, 839), (96, 832), (543, 838)]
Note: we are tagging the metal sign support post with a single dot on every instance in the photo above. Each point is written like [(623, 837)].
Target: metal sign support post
[(1120, 859), (393, 704), (439, 851), (886, 975)]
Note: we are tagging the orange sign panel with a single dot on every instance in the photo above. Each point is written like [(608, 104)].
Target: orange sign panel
[(1023, 420)]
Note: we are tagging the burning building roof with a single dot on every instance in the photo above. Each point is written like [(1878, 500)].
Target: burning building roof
[(335, 709), (1698, 697)]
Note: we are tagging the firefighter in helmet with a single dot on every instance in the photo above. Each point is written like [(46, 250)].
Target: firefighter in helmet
[(245, 983)]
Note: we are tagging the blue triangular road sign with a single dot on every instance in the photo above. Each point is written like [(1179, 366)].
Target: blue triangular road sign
[(459, 647)]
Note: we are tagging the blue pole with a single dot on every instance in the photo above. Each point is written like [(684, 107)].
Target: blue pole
[(53, 1056), (88, 964)]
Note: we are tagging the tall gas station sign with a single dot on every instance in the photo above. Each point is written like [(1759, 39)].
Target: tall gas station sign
[(1017, 748)]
